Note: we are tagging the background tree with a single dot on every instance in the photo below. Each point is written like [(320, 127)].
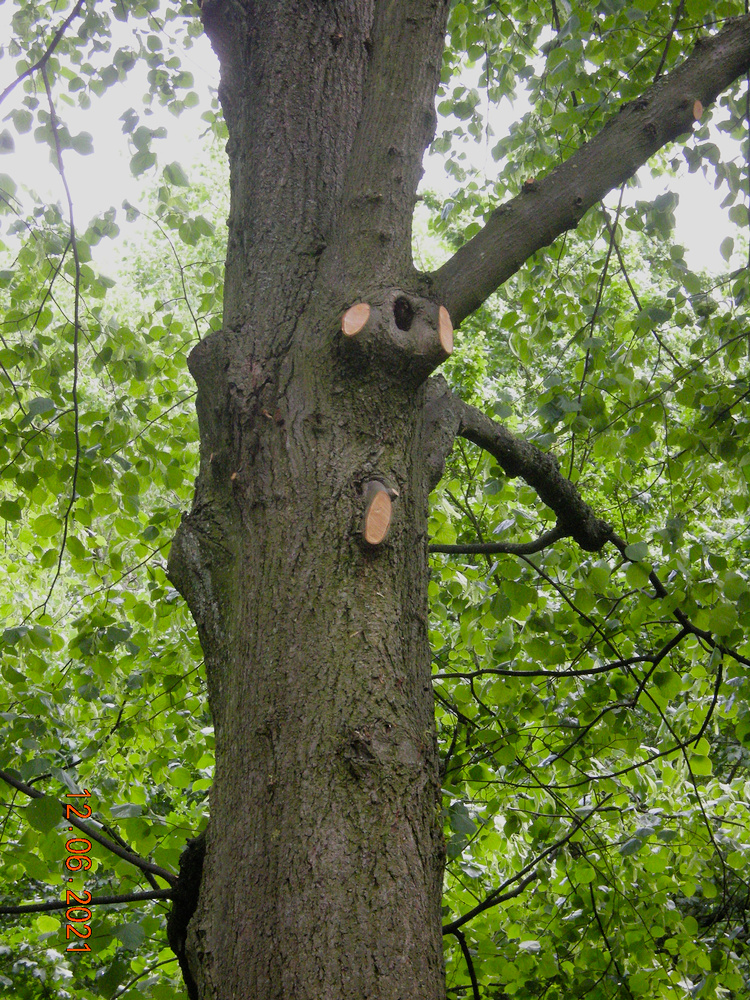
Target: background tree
[(587, 616)]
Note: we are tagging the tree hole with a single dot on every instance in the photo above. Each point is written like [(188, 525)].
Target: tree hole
[(403, 313)]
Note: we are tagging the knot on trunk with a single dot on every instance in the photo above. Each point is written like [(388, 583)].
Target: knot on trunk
[(398, 333)]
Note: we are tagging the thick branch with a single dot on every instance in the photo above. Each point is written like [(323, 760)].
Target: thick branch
[(396, 124), (553, 204)]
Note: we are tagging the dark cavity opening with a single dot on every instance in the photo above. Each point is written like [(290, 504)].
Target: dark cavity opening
[(403, 313)]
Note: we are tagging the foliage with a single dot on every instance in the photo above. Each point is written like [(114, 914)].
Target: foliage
[(595, 748)]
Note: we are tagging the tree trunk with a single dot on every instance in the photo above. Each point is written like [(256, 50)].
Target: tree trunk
[(323, 869), (304, 558)]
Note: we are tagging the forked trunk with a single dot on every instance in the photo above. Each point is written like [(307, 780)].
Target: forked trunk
[(304, 559)]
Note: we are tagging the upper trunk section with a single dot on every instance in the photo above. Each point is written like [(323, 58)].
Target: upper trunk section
[(329, 109)]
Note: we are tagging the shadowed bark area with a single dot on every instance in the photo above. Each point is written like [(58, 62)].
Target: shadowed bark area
[(324, 857)]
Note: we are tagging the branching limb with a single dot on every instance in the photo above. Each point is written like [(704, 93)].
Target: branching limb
[(134, 859), (446, 416), (41, 63), (526, 875), (553, 204), (661, 591), (541, 471)]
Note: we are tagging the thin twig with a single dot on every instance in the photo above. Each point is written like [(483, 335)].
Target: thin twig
[(54, 121), (146, 972), (134, 859), (499, 896), (605, 938), (61, 904)]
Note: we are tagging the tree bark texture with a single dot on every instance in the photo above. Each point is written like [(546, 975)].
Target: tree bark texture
[(324, 856)]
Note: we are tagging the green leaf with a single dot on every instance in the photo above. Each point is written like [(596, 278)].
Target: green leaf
[(41, 404), (461, 821), (125, 810), (131, 936), (141, 162), (23, 120), (701, 765), (43, 814), (174, 174), (637, 552), (723, 619), (47, 526), (35, 867), (82, 143), (8, 187), (631, 846), (10, 510), (738, 215)]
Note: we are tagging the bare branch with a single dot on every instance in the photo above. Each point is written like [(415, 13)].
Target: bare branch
[(541, 471), (446, 416), (549, 206), (503, 548), (603, 668)]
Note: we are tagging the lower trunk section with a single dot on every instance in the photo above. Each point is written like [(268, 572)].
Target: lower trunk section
[(324, 861)]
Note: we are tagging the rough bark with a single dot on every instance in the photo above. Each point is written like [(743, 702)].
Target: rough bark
[(323, 865), (324, 857)]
